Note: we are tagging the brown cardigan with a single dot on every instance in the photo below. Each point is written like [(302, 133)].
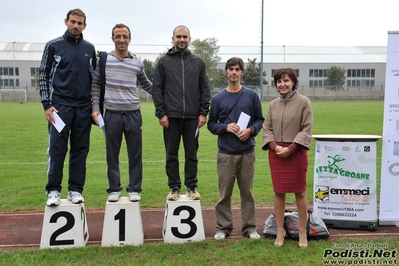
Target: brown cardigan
[(289, 120)]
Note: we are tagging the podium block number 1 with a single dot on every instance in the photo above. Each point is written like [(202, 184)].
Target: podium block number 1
[(121, 216)]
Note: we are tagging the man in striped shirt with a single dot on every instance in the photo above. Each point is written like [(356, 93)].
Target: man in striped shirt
[(123, 71)]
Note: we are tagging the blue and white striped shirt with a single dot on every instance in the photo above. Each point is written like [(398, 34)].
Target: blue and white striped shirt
[(122, 78)]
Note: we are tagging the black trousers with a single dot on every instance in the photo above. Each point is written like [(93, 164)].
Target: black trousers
[(117, 124), (186, 129)]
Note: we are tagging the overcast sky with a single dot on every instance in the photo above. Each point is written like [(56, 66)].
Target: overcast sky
[(231, 22)]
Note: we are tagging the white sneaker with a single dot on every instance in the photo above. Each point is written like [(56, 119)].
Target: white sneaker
[(220, 236), (254, 235), (53, 198), (134, 196), (75, 197), (114, 196)]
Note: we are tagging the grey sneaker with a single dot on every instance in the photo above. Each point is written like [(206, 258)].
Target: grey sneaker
[(114, 196), (254, 235), (75, 197), (174, 194), (220, 236), (193, 194), (134, 196), (53, 198)]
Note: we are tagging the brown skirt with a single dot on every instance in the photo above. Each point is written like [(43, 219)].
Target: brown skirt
[(289, 174)]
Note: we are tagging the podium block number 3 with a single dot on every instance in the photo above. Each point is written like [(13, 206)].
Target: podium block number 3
[(188, 221), (68, 226)]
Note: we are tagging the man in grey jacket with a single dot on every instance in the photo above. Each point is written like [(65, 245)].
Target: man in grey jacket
[(181, 96)]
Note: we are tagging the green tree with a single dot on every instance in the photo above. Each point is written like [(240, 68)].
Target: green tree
[(208, 50), (159, 57), (149, 69), (37, 76), (251, 77), (219, 79), (335, 78)]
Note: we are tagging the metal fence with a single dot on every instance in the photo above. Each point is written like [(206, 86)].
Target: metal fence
[(31, 94), (19, 94), (314, 93)]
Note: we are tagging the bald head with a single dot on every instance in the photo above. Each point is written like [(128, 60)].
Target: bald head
[(181, 27), (181, 38)]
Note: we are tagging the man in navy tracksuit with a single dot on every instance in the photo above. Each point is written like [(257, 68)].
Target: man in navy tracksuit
[(66, 72)]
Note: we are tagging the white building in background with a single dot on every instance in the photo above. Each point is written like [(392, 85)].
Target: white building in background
[(365, 66)]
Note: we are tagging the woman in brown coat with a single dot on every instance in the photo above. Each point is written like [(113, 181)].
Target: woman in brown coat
[(287, 134)]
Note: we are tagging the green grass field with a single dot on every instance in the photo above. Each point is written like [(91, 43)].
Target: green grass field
[(23, 159), (23, 163)]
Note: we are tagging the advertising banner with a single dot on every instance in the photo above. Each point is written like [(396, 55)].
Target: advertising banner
[(389, 204), (345, 181)]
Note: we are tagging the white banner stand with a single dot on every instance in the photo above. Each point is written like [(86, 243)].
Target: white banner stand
[(183, 221), (64, 226), (389, 204), (122, 224), (345, 181)]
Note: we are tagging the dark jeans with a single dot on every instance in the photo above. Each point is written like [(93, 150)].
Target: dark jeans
[(178, 128)]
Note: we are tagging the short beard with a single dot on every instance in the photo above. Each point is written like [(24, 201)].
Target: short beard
[(180, 49)]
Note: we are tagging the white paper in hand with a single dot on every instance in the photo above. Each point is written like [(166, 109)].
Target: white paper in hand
[(58, 124), (101, 123), (243, 121)]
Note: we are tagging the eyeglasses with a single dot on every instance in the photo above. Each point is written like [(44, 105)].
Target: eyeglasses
[(118, 37)]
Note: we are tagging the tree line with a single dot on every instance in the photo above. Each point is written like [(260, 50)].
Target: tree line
[(208, 50)]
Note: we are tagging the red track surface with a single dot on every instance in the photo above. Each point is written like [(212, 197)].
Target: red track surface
[(20, 230)]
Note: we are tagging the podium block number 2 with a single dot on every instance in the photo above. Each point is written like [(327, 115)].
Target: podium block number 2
[(70, 223), (188, 221)]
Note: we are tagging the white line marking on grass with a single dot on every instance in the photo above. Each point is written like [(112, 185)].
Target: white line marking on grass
[(103, 162)]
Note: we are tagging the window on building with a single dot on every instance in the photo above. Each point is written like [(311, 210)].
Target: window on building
[(34, 76), (317, 77), (360, 77), (7, 77)]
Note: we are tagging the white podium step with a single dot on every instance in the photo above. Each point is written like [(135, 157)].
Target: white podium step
[(122, 224), (183, 221), (64, 226)]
